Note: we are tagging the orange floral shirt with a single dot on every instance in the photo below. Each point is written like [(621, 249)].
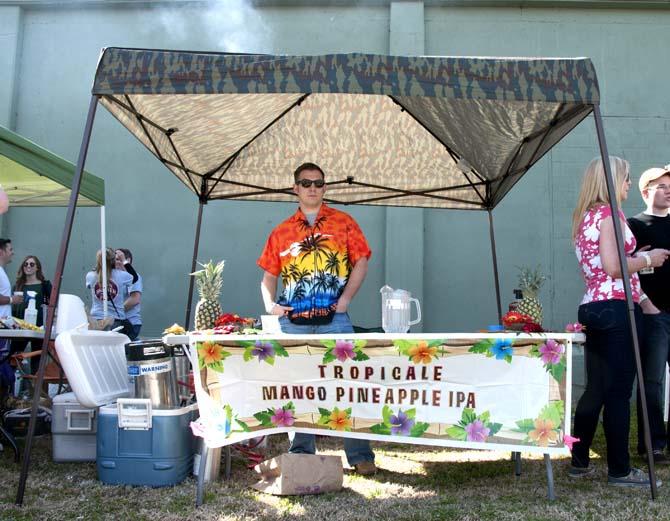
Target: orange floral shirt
[(314, 262)]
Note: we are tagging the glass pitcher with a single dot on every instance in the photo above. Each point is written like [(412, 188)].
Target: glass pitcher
[(395, 310)]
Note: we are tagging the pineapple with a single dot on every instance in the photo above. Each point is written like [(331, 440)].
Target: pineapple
[(209, 280), (530, 282)]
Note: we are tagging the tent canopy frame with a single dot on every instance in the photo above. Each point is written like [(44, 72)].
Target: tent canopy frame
[(138, 86)]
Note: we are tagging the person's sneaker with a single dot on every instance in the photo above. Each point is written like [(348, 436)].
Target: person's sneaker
[(659, 457), (580, 472), (635, 478), (366, 468)]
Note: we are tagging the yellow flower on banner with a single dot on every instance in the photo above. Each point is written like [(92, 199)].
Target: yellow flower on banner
[(210, 352), (421, 353), (339, 420), (543, 433)]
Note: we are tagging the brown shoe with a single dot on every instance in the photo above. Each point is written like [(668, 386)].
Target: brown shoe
[(366, 468)]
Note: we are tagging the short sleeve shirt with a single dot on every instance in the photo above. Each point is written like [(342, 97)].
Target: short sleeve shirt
[(599, 285), (134, 314), (314, 262), (5, 291), (118, 285)]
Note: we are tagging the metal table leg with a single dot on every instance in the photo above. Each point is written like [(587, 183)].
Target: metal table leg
[(200, 490), (516, 457), (550, 478), (227, 462)]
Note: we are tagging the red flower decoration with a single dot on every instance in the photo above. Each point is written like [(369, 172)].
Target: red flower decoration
[(532, 327), (514, 317)]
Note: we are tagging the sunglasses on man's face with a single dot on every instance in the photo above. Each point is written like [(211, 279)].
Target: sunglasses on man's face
[(306, 183), (29, 264)]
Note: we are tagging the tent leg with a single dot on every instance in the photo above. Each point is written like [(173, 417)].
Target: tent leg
[(200, 488), (196, 245), (53, 299), (618, 233), (551, 496), (103, 258), (495, 266)]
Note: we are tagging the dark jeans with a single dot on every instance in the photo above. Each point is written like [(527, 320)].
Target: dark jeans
[(610, 371), (655, 354)]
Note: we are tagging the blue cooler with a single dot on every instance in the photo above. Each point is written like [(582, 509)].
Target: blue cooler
[(138, 445)]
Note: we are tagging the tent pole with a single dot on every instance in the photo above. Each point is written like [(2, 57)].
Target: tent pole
[(618, 233), (196, 245), (55, 290), (495, 266), (103, 258)]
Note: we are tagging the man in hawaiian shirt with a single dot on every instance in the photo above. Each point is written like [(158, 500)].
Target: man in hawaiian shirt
[(322, 257)]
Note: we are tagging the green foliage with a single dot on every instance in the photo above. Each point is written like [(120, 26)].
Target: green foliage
[(381, 428), (482, 347), (526, 425), (328, 357)]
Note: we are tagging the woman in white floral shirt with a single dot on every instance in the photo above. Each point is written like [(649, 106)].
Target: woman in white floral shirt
[(609, 358)]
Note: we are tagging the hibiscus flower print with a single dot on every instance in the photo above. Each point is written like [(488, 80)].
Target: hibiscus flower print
[(282, 418), (544, 432), (551, 351), (344, 350), (339, 420), (422, 353)]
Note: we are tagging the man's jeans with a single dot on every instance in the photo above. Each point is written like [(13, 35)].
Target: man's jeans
[(610, 372), (655, 353), (356, 450)]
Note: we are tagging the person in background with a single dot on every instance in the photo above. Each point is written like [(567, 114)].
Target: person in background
[(6, 302), (133, 304), (307, 306), (652, 230), (118, 286), (31, 278), (608, 353)]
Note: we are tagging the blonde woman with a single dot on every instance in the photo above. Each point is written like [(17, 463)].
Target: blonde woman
[(608, 353), (118, 284)]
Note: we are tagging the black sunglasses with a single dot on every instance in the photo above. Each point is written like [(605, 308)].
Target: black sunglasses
[(29, 264), (306, 183)]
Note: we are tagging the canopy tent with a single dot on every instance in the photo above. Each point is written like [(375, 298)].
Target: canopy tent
[(33, 176), (435, 132), (431, 132), (425, 132)]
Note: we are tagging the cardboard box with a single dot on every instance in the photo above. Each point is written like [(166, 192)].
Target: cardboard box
[(299, 474)]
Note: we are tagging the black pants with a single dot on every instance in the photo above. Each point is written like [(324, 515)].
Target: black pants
[(655, 354), (610, 371)]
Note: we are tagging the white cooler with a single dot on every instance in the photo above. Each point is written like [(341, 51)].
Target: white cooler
[(73, 429), (154, 448)]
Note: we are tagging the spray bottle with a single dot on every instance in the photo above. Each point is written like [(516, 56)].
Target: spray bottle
[(30, 314)]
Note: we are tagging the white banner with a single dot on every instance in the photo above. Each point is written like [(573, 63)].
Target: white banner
[(436, 390)]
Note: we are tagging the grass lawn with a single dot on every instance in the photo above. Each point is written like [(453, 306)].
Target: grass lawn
[(414, 483)]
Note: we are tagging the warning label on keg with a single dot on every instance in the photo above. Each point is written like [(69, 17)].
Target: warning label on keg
[(140, 370)]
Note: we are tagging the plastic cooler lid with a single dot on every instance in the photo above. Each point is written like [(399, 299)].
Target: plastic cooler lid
[(95, 365)]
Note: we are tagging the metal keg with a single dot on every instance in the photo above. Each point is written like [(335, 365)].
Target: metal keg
[(151, 367)]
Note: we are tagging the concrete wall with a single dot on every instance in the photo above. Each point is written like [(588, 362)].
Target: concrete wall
[(50, 51)]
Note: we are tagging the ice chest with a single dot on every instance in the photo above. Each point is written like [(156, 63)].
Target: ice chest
[(138, 445), (73, 429)]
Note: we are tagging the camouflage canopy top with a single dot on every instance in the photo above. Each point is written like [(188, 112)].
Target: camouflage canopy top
[(442, 132)]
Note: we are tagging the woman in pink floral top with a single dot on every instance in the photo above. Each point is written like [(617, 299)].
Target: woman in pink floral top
[(608, 353)]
